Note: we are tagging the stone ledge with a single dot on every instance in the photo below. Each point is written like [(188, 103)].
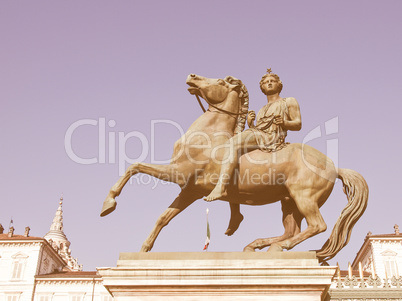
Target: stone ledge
[(216, 255), (165, 276), (217, 259)]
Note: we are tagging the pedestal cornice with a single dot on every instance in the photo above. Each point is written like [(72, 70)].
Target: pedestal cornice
[(171, 276)]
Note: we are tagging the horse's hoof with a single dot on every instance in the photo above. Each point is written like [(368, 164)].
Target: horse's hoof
[(274, 248), (145, 248), (109, 205), (234, 224), (248, 249)]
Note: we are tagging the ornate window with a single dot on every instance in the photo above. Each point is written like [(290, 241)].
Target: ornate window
[(44, 297), (390, 264), (390, 267), (77, 297), (18, 268), (13, 297)]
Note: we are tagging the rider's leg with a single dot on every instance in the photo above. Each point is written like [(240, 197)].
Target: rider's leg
[(244, 141), (238, 145)]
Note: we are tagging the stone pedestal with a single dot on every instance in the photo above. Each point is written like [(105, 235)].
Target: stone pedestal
[(218, 276)]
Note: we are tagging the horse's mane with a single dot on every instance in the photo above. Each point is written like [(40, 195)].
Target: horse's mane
[(243, 94)]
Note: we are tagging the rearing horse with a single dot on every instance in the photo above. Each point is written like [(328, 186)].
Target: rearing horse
[(299, 176)]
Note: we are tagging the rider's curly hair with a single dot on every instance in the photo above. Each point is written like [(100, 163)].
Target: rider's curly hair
[(243, 94), (276, 76)]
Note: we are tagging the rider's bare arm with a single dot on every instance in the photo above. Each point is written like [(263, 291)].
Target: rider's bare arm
[(294, 122)]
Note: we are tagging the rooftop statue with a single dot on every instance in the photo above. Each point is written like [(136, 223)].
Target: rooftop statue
[(217, 160)]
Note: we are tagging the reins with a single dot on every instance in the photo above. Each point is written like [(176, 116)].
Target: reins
[(200, 103), (219, 109)]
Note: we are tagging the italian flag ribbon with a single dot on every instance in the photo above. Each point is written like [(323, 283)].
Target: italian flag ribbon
[(207, 240)]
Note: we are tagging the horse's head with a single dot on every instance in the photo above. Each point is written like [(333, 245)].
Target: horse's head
[(217, 91)]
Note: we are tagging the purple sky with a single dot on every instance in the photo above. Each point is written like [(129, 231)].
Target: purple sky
[(127, 61)]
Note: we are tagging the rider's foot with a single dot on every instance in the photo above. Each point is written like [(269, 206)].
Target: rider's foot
[(234, 224), (216, 194), (108, 206)]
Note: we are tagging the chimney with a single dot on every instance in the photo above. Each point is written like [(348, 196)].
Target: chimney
[(1, 229), (11, 232), (26, 234), (396, 227)]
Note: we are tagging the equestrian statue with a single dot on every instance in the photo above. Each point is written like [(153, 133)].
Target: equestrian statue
[(216, 159)]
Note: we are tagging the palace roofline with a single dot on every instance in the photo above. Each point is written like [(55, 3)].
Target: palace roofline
[(6, 236), (70, 274)]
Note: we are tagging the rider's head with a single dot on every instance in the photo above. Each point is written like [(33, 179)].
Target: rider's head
[(264, 80)]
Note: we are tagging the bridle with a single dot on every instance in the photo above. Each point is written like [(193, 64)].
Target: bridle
[(212, 105)]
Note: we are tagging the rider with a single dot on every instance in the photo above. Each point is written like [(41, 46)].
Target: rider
[(273, 121)]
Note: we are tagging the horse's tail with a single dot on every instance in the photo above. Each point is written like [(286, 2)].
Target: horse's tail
[(356, 190)]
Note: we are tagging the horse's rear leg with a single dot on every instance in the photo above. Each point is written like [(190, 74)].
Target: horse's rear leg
[(315, 224), (163, 172), (180, 203), (291, 221), (235, 219)]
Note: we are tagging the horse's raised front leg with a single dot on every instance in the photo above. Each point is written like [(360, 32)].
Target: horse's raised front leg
[(180, 203), (164, 172), (291, 221)]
